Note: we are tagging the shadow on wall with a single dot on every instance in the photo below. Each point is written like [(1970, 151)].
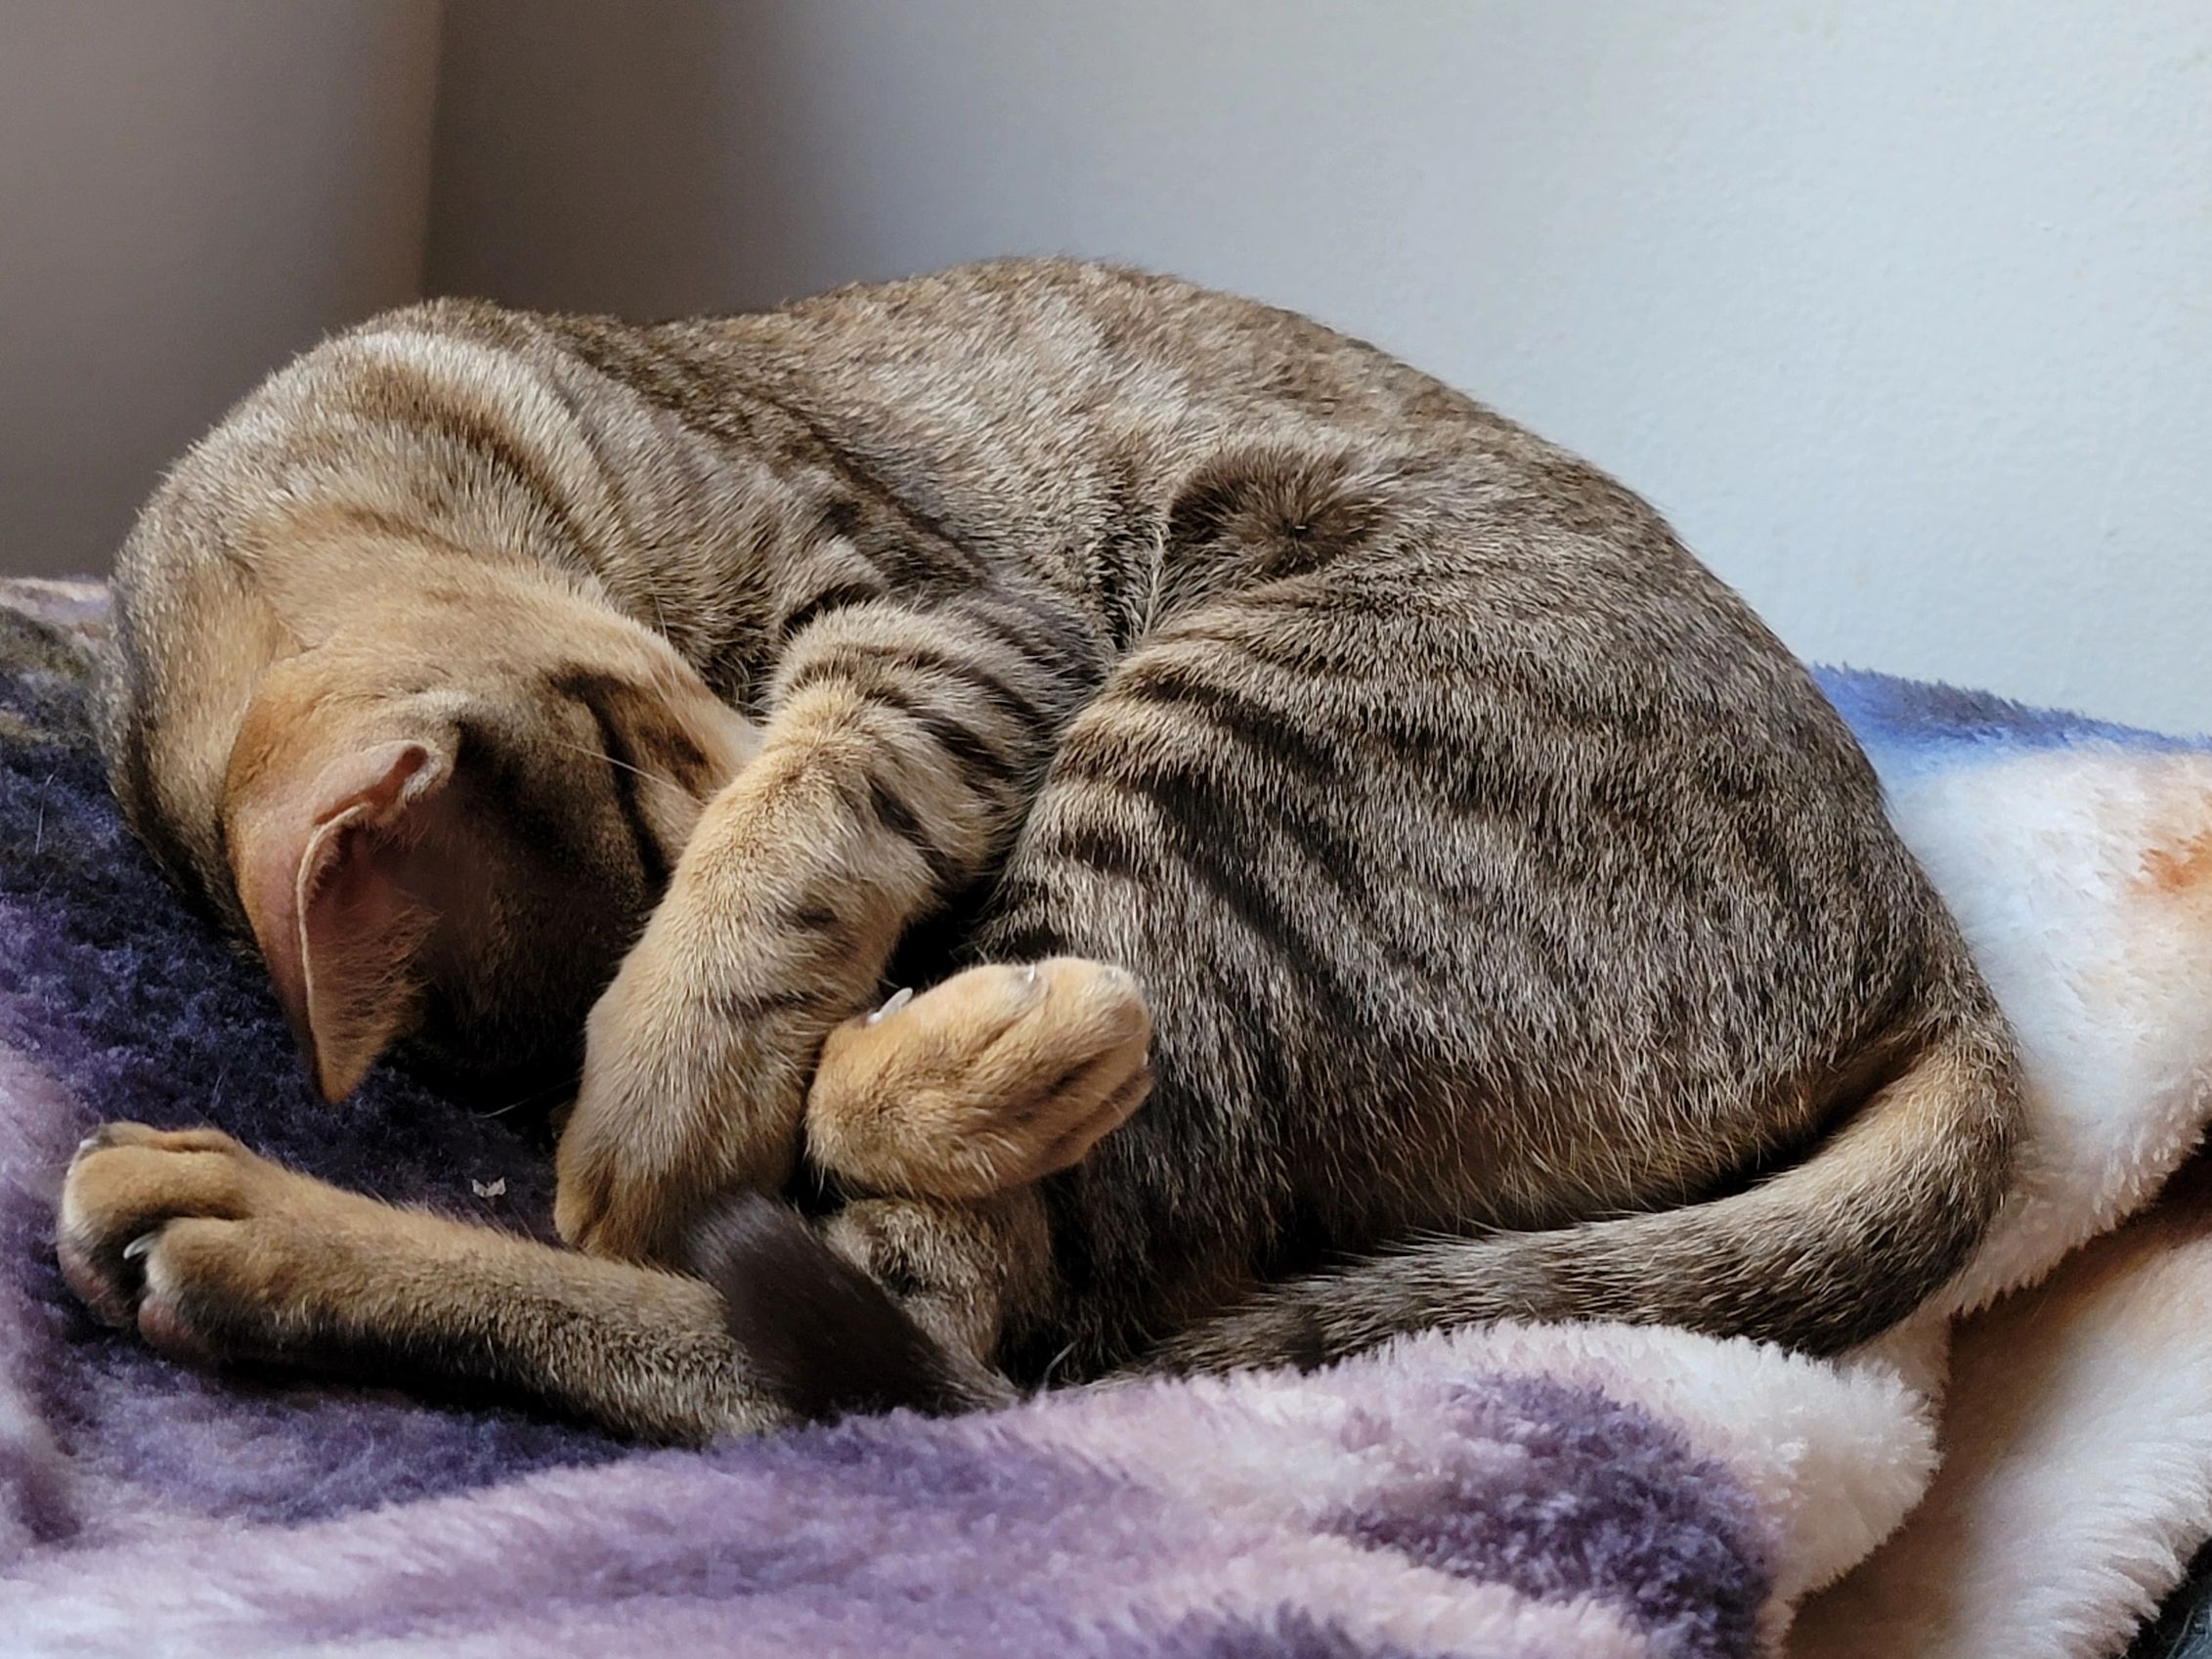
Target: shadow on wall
[(196, 193)]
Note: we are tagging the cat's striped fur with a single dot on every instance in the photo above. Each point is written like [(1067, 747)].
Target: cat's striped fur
[(1520, 930)]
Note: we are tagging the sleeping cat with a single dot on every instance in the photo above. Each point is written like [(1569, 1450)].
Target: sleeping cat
[(1489, 915)]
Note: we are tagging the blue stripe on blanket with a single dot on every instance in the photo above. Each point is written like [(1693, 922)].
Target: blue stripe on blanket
[(1919, 726)]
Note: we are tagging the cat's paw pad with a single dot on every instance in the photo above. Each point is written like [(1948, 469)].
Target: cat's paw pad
[(995, 1077), (181, 1234)]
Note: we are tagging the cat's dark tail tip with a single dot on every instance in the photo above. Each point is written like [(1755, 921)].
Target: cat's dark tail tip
[(820, 1336)]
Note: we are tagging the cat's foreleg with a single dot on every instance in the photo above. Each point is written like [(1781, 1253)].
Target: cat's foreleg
[(217, 1255), (957, 1099), (901, 751)]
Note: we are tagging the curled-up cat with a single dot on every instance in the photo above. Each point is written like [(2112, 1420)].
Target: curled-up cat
[(1515, 931)]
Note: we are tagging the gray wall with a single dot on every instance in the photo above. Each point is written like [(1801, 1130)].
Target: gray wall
[(1902, 309), (189, 190)]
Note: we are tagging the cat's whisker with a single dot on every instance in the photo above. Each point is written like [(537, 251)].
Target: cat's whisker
[(625, 765), (554, 1090)]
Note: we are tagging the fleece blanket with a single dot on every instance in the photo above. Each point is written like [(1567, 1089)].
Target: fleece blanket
[(2023, 1470)]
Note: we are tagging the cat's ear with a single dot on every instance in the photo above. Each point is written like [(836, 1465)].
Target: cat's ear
[(318, 869)]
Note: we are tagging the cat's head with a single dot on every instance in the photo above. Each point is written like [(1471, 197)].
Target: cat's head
[(441, 799)]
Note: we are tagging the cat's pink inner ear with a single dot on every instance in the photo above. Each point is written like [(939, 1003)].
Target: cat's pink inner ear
[(319, 874)]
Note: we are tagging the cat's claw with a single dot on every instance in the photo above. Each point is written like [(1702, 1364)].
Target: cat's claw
[(196, 1242), (897, 999)]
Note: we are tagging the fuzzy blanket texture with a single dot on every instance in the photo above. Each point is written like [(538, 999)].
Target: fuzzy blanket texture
[(2022, 1471)]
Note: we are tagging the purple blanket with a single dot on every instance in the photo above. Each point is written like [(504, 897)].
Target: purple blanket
[(1504, 1493)]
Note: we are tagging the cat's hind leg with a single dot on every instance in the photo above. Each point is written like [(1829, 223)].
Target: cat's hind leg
[(943, 1111)]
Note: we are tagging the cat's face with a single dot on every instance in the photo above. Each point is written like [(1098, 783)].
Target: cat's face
[(446, 824)]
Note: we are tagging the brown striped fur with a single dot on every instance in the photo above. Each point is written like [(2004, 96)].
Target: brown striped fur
[(1516, 930)]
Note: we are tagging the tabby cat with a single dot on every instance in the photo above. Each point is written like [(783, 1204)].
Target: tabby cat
[(1207, 707)]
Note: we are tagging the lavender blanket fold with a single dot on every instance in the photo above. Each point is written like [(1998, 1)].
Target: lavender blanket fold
[(1511, 1492)]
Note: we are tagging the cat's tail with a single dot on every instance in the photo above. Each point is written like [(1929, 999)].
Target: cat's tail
[(1820, 1256), (819, 1336)]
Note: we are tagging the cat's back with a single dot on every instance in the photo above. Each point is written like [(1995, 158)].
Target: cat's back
[(1028, 405), (1018, 339)]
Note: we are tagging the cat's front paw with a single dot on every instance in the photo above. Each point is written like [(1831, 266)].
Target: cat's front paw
[(209, 1252), (692, 1087)]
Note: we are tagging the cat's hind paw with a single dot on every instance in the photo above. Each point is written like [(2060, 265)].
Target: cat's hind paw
[(997, 1076)]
